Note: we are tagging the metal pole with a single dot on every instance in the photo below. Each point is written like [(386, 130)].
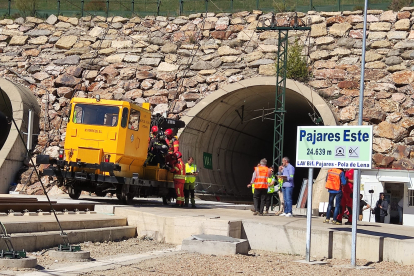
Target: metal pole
[(107, 8), (309, 215), (357, 173), (133, 7), (83, 3), (231, 6), (58, 13), (181, 7), (9, 7), (257, 4), (206, 6), (30, 130)]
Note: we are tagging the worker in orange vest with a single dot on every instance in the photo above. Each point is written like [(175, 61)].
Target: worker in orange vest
[(259, 180), (178, 169), (346, 201), (174, 145), (334, 180)]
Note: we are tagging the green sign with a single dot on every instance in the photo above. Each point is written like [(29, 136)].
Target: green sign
[(208, 160), (334, 147)]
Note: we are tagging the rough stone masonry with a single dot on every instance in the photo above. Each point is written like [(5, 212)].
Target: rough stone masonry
[(173, 63)]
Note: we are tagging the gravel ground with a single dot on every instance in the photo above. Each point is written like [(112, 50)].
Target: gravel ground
[(105, 249), (182, 263), (256, 263), (98, 251)]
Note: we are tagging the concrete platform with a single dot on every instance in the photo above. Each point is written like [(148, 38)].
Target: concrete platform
[(215, 244), (376, 242), (36, 233), (30, 224)]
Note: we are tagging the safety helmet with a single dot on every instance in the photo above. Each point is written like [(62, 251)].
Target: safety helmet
[(160, 134), (168, 132), (178, 154), (154, 129)]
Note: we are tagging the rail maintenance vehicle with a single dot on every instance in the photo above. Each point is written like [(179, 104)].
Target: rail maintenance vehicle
[(105, 149)]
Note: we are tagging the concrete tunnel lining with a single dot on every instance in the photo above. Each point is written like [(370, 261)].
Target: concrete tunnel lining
[(13, 152), (213, 126)]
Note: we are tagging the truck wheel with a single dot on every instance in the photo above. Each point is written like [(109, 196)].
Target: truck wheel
[(128, 199), (74, 193), (127, 194)]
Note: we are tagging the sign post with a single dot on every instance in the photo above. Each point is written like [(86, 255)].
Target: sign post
[(357, 173), (333, 147), (309, 215)]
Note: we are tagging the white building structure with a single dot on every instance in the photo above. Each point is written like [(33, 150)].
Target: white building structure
[(395, 184)]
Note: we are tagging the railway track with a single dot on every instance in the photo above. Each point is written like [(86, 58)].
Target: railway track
[(23, 205)]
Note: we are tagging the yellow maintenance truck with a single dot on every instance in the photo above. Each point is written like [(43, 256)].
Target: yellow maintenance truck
[(105, 149)]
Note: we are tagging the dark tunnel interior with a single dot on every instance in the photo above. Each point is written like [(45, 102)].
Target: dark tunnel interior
[(237, 146), (5, 116)]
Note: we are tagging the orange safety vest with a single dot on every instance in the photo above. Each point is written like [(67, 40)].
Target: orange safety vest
[(333, 181), (174, 145), (179, 170), (260, 182)]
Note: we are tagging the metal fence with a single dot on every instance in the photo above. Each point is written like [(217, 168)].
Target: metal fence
[(130, 8)]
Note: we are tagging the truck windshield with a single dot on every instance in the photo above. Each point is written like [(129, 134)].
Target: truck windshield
[(91, 114)]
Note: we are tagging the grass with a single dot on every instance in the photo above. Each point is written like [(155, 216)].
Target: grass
[(171, 7)]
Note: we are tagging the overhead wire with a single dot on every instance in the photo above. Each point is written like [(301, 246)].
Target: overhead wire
[(308, 37), (188, 65)]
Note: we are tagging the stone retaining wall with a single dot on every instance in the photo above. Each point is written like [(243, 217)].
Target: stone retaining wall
[(172, 63)]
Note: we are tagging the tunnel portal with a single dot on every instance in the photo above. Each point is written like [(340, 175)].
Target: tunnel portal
[(214, 127)]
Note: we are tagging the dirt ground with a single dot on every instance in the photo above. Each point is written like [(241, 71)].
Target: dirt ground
[(256, 263), (182, 263), (105, 249)]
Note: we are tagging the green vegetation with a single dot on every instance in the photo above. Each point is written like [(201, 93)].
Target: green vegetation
[(297, 67), (171, 7), (397, 5), (27, 7), (284, 6), (95, 5)]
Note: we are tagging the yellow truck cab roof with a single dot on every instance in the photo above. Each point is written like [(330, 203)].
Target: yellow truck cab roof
[(75, 100)]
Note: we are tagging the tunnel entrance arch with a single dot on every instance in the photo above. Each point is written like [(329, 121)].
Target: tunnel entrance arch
[(15, 102), (214, 127)]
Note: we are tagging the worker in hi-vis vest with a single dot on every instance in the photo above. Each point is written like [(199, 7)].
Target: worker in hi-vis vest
[(335, 179), (259, 180), (190, 177), (270, 190), (281, 202)]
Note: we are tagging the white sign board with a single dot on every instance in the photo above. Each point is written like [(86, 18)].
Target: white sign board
[(334, 147)]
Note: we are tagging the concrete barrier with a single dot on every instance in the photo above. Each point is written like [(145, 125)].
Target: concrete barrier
[(39, 241), (71, 222), (214, 244), (166, 226), (375, 242)]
